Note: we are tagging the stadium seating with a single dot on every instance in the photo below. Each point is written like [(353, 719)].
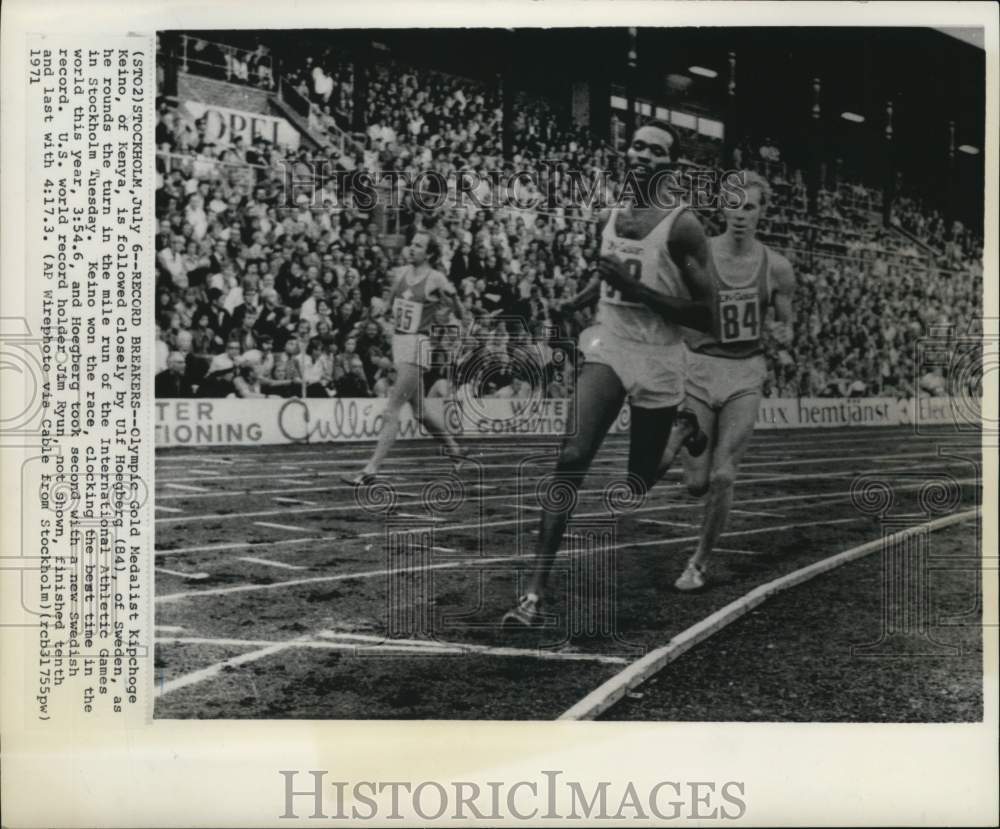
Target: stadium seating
[(262, 296)]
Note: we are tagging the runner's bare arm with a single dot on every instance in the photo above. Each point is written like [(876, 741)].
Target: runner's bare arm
[(688, 247), (451, 295), (783, 292)]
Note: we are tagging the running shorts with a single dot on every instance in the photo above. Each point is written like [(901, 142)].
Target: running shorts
[(652, 375), (717, 380), (411, 348)]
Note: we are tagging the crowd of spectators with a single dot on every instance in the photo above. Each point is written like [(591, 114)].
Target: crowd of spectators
[(253, 67), (262, 295)]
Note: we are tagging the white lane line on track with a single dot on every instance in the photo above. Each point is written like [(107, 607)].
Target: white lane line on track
[(608, 693), (547, 462), (201, 675), (507, 496), (168, 509), (395, 475), (187, 487), (465, 647), (662, 523), (182, 459), (822, 497), (333, 641), (299, 501), (171, 628), (296, 487), (183, 575), (738, 552), (766, 439), (291, 527), (417, 517), (762, 513), (268, 563), (468, 562)]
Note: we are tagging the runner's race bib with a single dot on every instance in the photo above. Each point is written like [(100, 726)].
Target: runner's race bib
[(739, 315), (406, 315)]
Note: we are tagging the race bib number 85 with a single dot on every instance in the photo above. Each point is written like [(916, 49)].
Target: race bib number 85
[(739, 316), (406, 315)]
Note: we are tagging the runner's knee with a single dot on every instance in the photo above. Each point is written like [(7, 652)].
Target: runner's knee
[(574, 458), (722, 477), (697, 487)]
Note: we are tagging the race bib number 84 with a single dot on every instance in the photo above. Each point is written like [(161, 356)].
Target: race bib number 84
[(739, 316), (406, 315)]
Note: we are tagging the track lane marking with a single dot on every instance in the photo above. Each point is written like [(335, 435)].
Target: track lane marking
[(202, 674), (611, 691), (241, 545), (762, 439), (445, 528), (332, 640), (183, 575), (489, 650), (547, 461), (507, 496), (467, 562), (281, 526), (269, 563)]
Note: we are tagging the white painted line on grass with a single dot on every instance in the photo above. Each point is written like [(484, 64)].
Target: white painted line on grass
[(608, 693), (281, 526), (268, 563)]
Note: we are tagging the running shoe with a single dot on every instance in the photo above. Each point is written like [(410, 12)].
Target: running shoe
[(697, 442), (528, 612), (457, 459), (693, 578), (362, 478)]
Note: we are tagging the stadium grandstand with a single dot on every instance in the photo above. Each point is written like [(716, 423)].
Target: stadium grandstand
[(271, 274)]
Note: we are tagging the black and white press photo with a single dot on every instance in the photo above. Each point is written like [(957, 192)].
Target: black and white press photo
[(619, 373)]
